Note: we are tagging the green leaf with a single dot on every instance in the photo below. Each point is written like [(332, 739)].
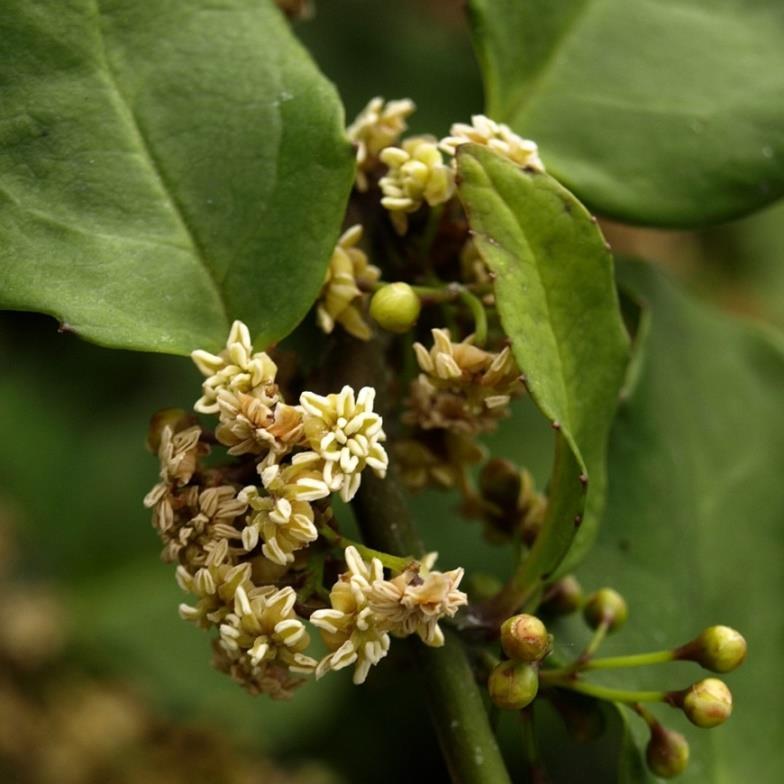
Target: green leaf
[(612, 758), (166, 168), (556, 298), (692, 534), (666, 113)]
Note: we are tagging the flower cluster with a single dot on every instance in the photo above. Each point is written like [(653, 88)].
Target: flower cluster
[(462, 388), (416, 170), (238, 544), (417, 174), (342, 297), (498, 137), (366, 609), (377, 126)]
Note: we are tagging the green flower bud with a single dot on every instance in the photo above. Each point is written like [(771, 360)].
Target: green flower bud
[(513, 685), (525, 638), (395, 307), (667, 753), (563, 596), (605, 606), (707, 703), (718, 649)]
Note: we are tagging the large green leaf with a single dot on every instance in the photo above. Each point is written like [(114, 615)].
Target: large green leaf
[(556, 297), (692, 534), (655, 112), (166, 167)]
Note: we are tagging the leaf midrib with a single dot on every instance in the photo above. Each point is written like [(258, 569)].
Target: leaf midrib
[(570, 429), (154, 165)]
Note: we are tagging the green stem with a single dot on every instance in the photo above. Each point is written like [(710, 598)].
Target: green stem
[(478, 312), (635, 660), (467, 741), (429, 234), (583, 664), (393, 562), (602, 692)]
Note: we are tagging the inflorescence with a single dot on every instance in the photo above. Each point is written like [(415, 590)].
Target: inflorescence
[(246, 550), (255, 539)]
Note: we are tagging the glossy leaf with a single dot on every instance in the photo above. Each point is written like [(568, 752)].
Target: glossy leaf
[(692, 534), (556, 298), (166, 168), (666, 113)]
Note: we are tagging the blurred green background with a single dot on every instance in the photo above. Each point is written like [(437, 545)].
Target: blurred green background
[(73, 468)]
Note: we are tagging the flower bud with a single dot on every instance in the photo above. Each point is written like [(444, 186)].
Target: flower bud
[(513, 685), (500, 482), (605, 606), (718, 649), (667, 753), (707, 703), (176, 418), (563, 597), (525, 638), (395, 307)]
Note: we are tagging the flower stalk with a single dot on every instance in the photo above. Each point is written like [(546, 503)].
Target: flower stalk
[(467, 741)]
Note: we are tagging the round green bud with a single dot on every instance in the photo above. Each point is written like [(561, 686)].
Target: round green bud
[(395, 307), (605, 606), (513, 685), (564, 596), (707, 703), (667, 753), (525, 638), (718, 649)]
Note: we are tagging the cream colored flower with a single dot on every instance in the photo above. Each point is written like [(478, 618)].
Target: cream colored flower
[(237, 368), (463, 388), (417, 174), (498, 137), (377, 126), (347, 434), (349, 627), (179, 455), (416, 600), (216, 508), (251, 425), (214, 585), (284, 525), (265, 628), (341, 297)]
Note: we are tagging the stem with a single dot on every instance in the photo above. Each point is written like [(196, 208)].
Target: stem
[(646, 715), (603, 692), (582, 664), (478, 312), (635, 660), (456, 705), (429, 234), (393, 562)]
